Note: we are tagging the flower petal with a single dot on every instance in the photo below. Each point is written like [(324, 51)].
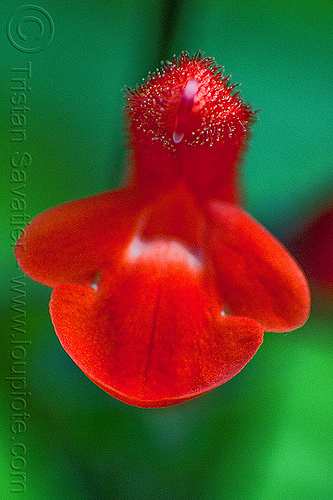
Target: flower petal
[(256, 275), (74, 241), (152, 335), (175, 215)]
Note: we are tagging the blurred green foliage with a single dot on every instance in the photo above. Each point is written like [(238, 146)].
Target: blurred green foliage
[(265, 435)]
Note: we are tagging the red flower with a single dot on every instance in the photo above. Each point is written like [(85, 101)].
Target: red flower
[(163, 288), (313, 246)]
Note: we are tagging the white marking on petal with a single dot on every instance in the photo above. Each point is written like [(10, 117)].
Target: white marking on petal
[(224, 312), (137, 248), (94, 284), (164, 250)]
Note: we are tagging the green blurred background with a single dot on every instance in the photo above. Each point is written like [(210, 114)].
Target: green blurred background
[(266, 434)]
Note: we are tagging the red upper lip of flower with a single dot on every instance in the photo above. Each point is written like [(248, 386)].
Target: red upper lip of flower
[(213, 123), (163, 288)]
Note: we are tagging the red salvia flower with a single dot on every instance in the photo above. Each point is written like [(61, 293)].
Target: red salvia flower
[(163, 288), (313, 246)]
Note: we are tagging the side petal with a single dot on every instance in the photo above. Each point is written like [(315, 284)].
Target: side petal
[(74, 241), (256, 276), (151, 335)]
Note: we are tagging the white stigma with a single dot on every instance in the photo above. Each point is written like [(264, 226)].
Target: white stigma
[(177, 137), (190, 90), (184, 110)]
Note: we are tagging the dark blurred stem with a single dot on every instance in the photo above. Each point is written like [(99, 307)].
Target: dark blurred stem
[(169, 16)]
